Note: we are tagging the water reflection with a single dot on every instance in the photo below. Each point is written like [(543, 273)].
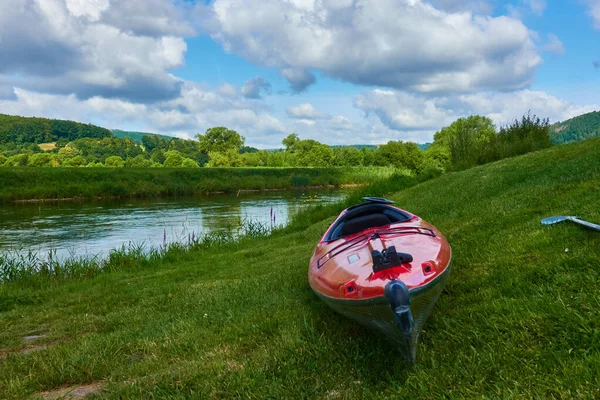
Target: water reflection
[(95, 227)]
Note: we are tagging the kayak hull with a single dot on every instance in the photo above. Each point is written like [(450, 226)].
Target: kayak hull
[(376, 313), (384, 268)]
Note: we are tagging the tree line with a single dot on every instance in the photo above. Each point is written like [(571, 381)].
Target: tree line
[(464, 143)]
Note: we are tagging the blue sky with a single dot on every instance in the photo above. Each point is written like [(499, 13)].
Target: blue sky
[(339, 71)]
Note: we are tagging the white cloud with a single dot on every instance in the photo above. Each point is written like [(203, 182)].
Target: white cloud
[(253, 88), (554, 45), (196, 110), (82, 47), (299, 79), (91, 9), (594, 11), (403, 112), (304, 111), (536, 6), (405, 44)]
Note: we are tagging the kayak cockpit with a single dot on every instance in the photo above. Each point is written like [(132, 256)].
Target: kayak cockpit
[(365, 216)]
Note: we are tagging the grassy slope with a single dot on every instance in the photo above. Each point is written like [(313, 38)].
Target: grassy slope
[(47, 183), (520, 317)]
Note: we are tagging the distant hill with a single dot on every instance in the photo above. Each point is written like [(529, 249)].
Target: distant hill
[(22, 130), (356, 146), (424, 146), (585, 126), (136, 136)]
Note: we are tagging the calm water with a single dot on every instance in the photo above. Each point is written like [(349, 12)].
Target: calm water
[(95, 227)]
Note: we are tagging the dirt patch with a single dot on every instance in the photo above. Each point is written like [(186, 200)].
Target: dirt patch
[(47, 146), (71, 392)]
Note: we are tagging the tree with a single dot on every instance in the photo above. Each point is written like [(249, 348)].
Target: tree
[(69, 151), (2, 159), (77, 161), (18, 160), (220, 139), (230, 158), (173, 160), (139, 161), (41, 160), (290, 141), (189, 163), (114, 161), (158, 156), (464, 139)]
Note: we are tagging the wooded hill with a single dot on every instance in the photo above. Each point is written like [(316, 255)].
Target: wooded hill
[(21, 130), (585, 126)]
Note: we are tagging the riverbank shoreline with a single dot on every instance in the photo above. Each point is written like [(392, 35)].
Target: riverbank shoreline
[(38, 185), (240, 191)]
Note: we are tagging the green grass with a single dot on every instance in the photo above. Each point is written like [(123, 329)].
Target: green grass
[(520, 317), (54, 183)]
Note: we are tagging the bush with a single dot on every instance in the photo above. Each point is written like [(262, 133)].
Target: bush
[(173, 160), (42, 160), (189, 163), (19, 160), (78, 161), (114, 161)]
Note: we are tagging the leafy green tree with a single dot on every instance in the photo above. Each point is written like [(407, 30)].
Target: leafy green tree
[(95, 165), (290, 141), (2, 159), (189, 163), (248, 149), (152, 142), (41, 160), (158, 156), (139, 161), (67, 152), (114, 162), (18, 160), (229, 158), (368, 156), (173, 160), (465, 138), (220, 139), (77, 161), (347, 156)]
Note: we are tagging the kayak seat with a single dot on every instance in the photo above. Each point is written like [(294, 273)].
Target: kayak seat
[(359, 224)]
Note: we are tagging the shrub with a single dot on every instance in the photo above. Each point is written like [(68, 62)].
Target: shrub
[(189, 163), (114, 161), (77, 161), (18, 160), (173, 160)]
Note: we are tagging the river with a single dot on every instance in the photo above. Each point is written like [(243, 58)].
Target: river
[(94, 227)]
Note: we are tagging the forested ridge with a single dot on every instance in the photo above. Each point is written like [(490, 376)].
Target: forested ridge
[(22, 130), (585, 126)]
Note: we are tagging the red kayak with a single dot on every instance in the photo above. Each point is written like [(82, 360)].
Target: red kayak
[(382, 267)]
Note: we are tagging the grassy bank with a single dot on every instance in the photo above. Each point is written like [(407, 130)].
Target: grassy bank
[(519, 317), (57, 183)]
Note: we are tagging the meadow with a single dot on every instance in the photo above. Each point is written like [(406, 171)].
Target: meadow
[(237, 319), (23, 183)]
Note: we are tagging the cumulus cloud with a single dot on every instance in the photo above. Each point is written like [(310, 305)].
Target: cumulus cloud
[(299, 79), (77, 46), (195, 110), (594, 11), (404, 112), (304, 111), (405, 44), (253, 87), (474, 6), (554, 45)]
